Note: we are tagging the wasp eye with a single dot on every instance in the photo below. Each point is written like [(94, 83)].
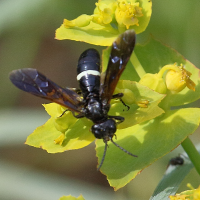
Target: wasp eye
[(110, 127), (96, 130)]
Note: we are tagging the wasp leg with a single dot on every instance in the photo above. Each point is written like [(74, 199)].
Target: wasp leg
[(64, 112), (119, 96), (128, 107), (81, 115), (118, 118), (77, 116)]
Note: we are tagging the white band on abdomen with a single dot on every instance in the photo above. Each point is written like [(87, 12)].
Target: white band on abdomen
[(84, 73)]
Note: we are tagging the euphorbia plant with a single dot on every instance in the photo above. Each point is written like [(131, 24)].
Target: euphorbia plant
[(156, 79)]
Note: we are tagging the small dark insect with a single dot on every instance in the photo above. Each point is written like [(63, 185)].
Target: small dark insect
[(176, 161), (96, 91)]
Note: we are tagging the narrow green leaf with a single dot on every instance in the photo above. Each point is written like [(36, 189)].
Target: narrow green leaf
[(172, 179)]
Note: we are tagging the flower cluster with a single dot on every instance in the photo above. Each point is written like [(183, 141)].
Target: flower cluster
[(120, 13), (109, 19)]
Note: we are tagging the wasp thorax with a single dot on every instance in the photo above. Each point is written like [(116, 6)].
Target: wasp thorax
[(94, 110)]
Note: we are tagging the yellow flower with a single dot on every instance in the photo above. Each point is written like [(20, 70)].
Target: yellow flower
[(177, 78), (127, 13), (193, 194), (104, 12), (178, 197), (196, 194)]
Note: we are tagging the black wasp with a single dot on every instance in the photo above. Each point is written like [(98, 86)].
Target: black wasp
[(97, 91)]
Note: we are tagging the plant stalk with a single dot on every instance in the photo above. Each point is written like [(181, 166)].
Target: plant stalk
[(138, 67), (192, 153)]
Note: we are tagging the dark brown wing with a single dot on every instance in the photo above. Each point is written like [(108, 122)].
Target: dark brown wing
[(32, 81), (121, 51)]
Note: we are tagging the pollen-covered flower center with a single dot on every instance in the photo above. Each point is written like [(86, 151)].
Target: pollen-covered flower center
[(127, 13)]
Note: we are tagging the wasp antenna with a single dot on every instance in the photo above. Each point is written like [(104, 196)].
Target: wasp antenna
[(104, 155), (123, 149)]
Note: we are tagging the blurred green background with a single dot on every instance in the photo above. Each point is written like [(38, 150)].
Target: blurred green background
[(27, 40)]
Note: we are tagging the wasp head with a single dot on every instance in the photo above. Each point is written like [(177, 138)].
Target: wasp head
[(104, 130)]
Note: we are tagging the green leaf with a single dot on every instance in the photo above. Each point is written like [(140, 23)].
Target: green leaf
[(101, 36), (72, 198), (76, 136), (61, 133), (154, 55), (136, 114), (149, 141)]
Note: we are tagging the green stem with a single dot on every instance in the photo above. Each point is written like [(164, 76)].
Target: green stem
[(138, 67), (192, 153)]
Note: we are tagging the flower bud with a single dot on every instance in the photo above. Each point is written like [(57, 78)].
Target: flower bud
[(81, 21), (154, 82), (129, 98), (64, 120), (104, 12)]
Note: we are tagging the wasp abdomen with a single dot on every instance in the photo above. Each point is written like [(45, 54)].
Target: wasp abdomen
[(88, 72)]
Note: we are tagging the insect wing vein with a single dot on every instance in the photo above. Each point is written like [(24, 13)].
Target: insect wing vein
[(32, 81)]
